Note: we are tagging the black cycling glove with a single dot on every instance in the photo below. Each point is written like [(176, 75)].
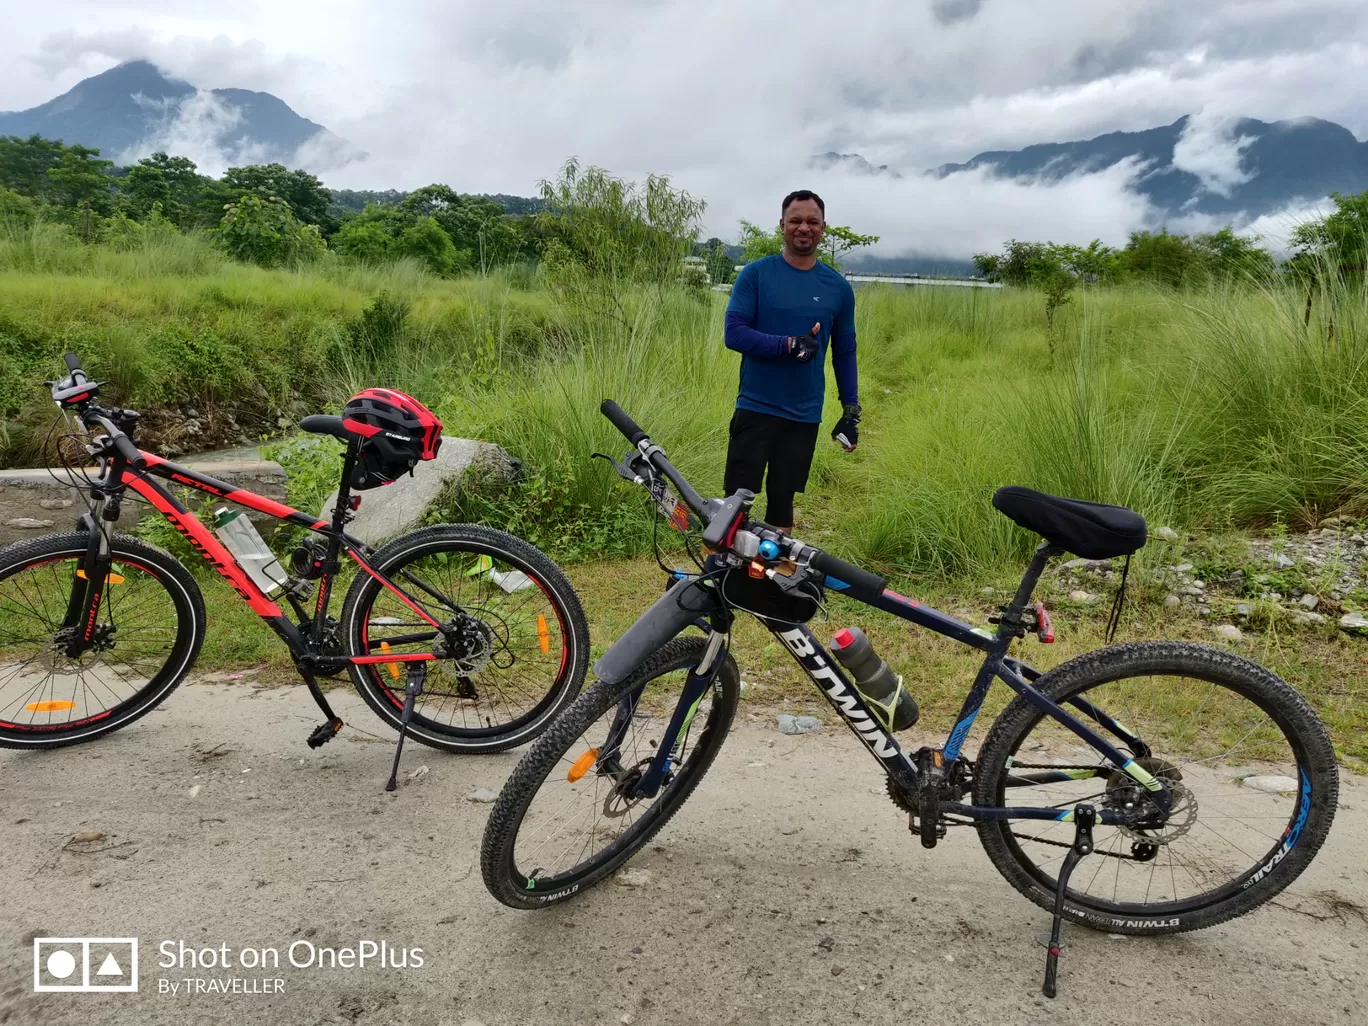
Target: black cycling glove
[(848, 426), (802, 347)]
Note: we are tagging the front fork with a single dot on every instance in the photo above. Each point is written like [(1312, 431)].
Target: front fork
[(88, 585), (696, 686)]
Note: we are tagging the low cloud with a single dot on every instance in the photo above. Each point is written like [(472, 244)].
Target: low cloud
[(1208, 148)]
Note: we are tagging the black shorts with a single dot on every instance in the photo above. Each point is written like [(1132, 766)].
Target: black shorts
[(772, 450)]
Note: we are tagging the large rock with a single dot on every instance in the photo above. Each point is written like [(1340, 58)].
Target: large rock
[(392, 509), (33, 502)]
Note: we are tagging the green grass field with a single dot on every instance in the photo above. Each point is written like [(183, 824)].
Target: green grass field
[(1210, 411)]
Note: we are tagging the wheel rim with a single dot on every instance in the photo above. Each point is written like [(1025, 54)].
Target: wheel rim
[(42, 690), (517, 644), (1206, 739), (573, 826)]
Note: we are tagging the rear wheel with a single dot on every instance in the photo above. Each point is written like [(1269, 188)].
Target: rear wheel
[(520, 635), (565, 819), (148, 630), (1249, 766)]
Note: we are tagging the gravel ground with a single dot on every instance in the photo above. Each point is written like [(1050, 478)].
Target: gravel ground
[(787, 891)]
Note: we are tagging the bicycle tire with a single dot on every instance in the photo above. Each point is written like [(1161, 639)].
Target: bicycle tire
[(161, 568), (497, 850), (1309, 821), (386, 700)]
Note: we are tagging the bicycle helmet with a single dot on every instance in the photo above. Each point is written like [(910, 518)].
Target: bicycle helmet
[(396, 431)]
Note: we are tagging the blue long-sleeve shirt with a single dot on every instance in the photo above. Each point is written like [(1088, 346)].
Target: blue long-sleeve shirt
[(772, 300)]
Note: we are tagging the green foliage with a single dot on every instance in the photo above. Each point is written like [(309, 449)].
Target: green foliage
[(838, 240), (307, 198), (313, 468), (16, 212), (1337, 243), (81, 179), (24, 165), (756, 243), (264, 231), (380, 328), (604, 235)]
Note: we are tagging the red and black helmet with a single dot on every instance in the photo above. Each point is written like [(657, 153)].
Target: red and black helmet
[(396, 431)]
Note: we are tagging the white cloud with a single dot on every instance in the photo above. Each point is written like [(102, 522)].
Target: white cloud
[(731, 97), (1208, 148)]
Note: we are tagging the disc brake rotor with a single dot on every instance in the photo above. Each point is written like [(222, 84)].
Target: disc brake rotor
[(1122, 791)]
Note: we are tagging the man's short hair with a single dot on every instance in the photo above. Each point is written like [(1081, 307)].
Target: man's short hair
[(803, 194)]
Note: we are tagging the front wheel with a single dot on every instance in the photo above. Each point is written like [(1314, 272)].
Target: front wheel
[(567, 817), (149, 623), (1249, 767), (518, 640)]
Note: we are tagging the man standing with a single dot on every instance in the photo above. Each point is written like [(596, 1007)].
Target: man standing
[(785, 311)]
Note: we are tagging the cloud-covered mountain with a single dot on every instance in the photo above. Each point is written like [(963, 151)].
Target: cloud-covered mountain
[(1238, 168), (134, 110)]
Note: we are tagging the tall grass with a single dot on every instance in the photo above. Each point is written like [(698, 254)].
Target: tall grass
[(1219, 407)]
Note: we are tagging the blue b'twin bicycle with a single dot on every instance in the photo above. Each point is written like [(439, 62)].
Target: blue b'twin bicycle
[(1198, 783)]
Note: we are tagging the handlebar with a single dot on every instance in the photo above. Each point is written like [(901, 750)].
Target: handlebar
[(619, 418), (77, 393), (122, 443), (861, 584), (656, 455)]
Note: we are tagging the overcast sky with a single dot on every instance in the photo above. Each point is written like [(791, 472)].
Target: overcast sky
[(730, 98)]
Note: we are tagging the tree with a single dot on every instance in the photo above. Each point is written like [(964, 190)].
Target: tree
[(263, 230), (1231, 257), (989, 266), (173, 182), (369, 236), (1169, 259), (604, 234), (24, 164), (1338, 241), (838, 240), (16, 211), (81, 179), (718, 261), (307, 198), (755, 242), (424, 240)]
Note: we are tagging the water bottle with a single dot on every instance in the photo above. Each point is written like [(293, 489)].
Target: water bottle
[(877, 684), (242, 539)]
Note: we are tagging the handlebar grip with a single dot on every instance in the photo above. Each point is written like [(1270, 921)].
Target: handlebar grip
[(862, 584), (72, 361), (129, 452), (620, 420)]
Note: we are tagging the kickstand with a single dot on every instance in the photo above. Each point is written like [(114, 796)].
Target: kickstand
[(1084, 818), (417, 671)]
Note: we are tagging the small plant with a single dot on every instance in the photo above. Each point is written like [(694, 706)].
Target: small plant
[(380, 327)]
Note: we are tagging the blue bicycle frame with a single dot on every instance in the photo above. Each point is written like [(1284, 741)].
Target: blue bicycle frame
[(846, 699)]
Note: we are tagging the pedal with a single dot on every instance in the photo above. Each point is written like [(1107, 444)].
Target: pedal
[(325, 732), (417, 672), (1084, 818)]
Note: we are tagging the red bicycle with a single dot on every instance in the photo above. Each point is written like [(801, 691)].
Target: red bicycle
[(465, 637)]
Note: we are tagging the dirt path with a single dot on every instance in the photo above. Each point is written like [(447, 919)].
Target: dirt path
[(222, 828)]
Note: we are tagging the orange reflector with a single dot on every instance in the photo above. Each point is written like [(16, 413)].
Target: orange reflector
[(393, 667), (111, 578), (582, 765), (49, 706), (543, 635)]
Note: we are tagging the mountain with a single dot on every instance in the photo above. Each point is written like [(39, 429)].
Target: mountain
[(851, 163), (133, 110), (1238, 166)]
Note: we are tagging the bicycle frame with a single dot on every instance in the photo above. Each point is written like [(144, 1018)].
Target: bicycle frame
[(305, 649), (841, 693)]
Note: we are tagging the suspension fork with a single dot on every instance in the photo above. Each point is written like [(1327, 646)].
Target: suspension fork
[(696, 686), (90, 581)]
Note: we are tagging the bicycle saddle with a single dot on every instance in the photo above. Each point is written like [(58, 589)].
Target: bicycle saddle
[(324, 424), (1088, 529)]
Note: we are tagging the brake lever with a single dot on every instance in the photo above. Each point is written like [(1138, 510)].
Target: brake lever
[(624, 471)]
